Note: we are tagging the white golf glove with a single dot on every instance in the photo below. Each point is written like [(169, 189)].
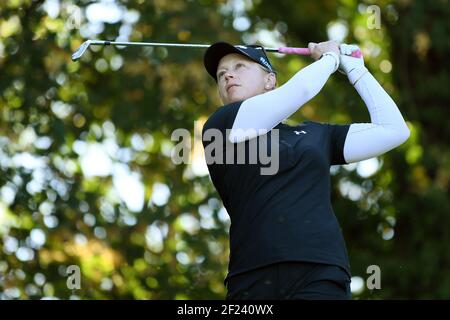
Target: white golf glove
[(353, 67)]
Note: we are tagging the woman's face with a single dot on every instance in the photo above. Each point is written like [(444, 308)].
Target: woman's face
[(239, 78)]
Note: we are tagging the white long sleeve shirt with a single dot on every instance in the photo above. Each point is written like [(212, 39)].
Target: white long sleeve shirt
[(386, 131)]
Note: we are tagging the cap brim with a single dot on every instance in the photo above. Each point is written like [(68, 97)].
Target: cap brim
[(216, 52)]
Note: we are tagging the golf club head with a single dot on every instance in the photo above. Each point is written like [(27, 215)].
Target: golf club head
[(81, 50)]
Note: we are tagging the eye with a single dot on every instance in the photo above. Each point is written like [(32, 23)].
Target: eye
[(238, 65), (220, 74)]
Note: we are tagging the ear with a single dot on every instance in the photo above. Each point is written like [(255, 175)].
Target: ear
[(270, 81)]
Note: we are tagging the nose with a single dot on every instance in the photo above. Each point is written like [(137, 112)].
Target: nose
[(228, 75)]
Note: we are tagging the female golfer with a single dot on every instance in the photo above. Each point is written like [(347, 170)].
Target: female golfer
[(285, 241)]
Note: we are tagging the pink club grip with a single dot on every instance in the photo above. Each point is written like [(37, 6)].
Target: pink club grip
[(306, 52), (289, 50), (356, 54)]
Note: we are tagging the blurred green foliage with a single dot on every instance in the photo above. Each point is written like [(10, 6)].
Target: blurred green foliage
[(54, 214)]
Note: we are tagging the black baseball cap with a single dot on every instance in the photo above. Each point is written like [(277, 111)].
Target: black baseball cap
[(218, 50)]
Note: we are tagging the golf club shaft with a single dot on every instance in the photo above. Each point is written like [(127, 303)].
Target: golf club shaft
[(288, 50), (284, 50), (147, 44)]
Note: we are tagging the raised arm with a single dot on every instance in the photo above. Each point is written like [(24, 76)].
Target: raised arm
[(387, 129), (259, 114)]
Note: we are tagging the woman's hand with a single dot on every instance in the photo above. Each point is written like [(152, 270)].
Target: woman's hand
[(353, 67), (318, 49)]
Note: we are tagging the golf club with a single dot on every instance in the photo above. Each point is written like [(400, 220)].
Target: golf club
[(82, 49)]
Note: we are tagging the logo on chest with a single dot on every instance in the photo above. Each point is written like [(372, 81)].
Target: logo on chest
[(299, 132)]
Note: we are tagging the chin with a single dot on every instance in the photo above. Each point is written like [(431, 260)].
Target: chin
[(237, 97)]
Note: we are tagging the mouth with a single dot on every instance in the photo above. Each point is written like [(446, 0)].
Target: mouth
[(228, 87)]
